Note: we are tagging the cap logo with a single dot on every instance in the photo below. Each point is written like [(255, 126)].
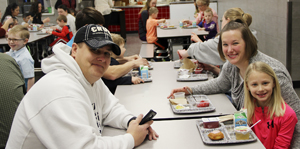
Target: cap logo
[(98, 28)]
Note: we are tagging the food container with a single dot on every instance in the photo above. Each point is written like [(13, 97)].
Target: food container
[(179, 95), (212, 122), (202, 103), (242, 132)]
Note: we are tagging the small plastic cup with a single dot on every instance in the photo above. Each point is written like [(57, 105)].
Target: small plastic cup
[(179, 95), (242, 132)]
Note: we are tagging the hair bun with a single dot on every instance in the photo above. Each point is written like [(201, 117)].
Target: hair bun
[(239, 21)]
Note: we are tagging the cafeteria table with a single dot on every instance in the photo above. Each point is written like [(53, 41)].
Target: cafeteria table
[(178, 32), (34, 38), (140, 98), (179, 134)]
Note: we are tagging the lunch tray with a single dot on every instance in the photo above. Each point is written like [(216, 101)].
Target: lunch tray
[(189, 27), (41, 33), (192, 77), (227, 130), (150, 65), (192, 107), (169, 28), (136, 74)]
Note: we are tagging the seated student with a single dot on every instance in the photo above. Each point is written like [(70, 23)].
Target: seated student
[(63, 10), (151, 26), (65, 34), (12, 90), (12, 24), (209, 24), (27, 19), (17, 39), (264, 103), (70, 105), (143, 17), (122, 80)]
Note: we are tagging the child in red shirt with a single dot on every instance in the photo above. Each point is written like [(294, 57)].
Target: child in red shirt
[(151, 26), (65, 34), (264, 102)]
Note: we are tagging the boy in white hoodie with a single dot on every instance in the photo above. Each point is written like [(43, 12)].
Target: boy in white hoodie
[(69, 106)]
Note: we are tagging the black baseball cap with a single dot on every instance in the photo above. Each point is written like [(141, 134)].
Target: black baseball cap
[(96, 36)]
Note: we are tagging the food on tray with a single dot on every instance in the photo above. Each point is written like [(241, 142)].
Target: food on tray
[(203, 103), (188, 64), (186, 25), (178, 101), (216, 135), (171, 26), (225, 118), (180, 107), (242, 132), (211, 122)]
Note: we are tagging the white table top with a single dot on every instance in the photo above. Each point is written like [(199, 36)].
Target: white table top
[(34, 36), (179, 134), (178, 32), (140, 98)]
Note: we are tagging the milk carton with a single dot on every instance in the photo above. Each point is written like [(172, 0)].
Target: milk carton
[(144, 72), (240, 119)]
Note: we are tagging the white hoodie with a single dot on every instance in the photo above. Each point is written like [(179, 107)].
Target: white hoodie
[(62, 110)]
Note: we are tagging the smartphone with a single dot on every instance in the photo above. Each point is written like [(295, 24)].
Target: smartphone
[(148, 117)]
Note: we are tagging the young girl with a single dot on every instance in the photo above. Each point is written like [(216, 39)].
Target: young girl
[(264, 102)]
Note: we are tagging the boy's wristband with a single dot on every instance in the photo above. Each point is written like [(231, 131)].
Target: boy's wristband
[(133, 118)]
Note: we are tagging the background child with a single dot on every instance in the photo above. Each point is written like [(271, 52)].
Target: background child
[(123, 68), (209, 24), (17, 38), (151, 26), (27, 19), (264, 102), (65, 34)]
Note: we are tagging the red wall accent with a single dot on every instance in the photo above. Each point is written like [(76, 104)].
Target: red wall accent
[(131, 18)]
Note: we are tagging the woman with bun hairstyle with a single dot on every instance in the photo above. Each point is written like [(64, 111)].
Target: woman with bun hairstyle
[(11, 11), (238, 47), (207, 51), (143, 17)]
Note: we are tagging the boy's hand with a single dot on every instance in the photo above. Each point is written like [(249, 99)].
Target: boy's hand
[(136, 80), (53, 27)]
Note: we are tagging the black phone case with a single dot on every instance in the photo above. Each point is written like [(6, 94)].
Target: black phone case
[(148, 117)]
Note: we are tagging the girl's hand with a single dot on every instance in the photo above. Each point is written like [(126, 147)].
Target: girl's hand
[(195, 38), (137, 80), (182, 54), (201, 28), (184, 89)]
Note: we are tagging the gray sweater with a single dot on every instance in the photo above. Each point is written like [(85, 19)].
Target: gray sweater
[(207, 51), (229, 78)]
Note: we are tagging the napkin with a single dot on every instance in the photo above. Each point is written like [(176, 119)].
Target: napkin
[(188, 64)]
